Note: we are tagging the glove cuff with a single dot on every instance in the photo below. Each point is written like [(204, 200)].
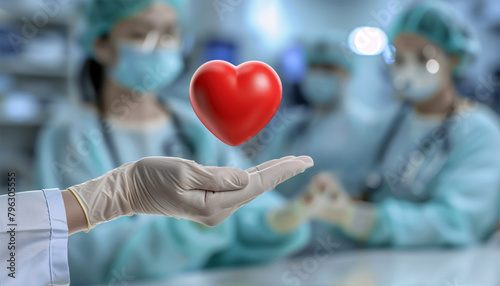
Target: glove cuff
[(83, 208), (105, 198)]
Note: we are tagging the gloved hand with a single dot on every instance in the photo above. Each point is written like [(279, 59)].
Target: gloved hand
[(327, 200), (180, 188)]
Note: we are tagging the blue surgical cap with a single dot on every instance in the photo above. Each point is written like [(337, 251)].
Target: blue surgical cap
[(102, 15), (439, 23), (328, 53)]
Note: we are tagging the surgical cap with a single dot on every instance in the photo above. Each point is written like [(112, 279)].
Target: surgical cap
[(102, 15), (439, 23), (327, 53)]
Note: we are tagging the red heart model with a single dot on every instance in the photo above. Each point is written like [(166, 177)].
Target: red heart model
[(235, 103)]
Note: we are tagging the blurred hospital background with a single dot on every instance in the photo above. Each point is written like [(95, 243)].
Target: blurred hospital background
[(41, 57), (40, 54)]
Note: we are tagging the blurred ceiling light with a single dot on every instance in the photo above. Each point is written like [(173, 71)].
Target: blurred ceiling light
[(265, 17), (368, 41)]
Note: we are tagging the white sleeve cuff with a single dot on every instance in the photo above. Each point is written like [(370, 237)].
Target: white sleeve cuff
[(34, 238), (58, 247)]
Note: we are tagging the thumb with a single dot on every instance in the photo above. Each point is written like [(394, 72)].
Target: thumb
[(220, 179)]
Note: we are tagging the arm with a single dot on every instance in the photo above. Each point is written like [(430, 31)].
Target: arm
[(179, 188), (75, 214), (159, 185), (173, 245)]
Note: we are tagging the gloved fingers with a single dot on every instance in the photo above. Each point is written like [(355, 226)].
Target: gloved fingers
[(270, 163), (307, 160), (229, 179), (265, 180), (218, 178), (266, 164), (282, 171)]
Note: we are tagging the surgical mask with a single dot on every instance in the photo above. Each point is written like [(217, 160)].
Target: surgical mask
[(321, 87), (416, 81), (142, 71)]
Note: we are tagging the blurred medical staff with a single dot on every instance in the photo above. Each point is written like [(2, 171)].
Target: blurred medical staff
[(134, 50), (330, 128), (436, 178)]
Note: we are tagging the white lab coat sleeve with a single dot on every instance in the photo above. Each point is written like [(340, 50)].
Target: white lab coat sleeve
[(34, 239)]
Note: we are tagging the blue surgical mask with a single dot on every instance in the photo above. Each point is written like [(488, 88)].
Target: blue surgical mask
[(144, 72), (321, 87)]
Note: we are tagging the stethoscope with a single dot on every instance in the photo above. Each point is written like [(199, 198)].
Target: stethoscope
[(375, 179), (168, 147)]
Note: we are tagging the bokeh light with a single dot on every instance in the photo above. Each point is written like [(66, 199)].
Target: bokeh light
[(367, 41), (432, 66)]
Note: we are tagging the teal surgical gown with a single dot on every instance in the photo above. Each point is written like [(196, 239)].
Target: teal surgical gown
[(72, 149), (451, 200)]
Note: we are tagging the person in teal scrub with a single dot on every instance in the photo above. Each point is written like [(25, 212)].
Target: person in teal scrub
[(329, 128), (134, 50), (435, 180)]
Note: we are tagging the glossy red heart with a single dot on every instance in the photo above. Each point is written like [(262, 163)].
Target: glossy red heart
[(235, 103)]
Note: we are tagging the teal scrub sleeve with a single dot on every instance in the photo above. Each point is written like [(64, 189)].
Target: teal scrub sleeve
[(465, 206)]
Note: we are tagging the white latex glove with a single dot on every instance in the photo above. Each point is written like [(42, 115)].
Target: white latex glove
[(323, 199), (180, 188), (326, 199)]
